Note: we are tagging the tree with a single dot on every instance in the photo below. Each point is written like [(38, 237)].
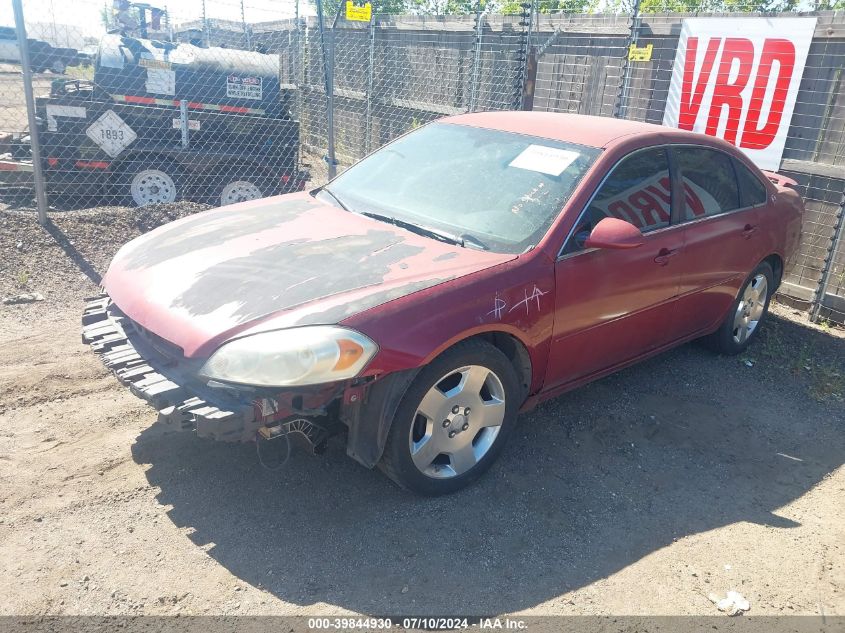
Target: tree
[(708, 6), (512, 7)]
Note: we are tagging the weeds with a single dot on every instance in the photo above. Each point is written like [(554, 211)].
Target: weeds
[(772, 344), (824, 381), (803, 361), (827, 383), (23, 278)]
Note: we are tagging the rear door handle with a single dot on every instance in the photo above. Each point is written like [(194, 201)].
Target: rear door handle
[(748, 230), (665, 255)]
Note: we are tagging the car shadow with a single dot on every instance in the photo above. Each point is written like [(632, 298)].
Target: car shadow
[(592, 482)]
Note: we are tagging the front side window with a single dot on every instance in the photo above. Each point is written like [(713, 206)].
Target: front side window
[(638, 190), (502, 189), (708, 180)]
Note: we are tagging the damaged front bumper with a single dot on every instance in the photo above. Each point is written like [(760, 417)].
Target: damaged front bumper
[(157, 371), (153, 371)]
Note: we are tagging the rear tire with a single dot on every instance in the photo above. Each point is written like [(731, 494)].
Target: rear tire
[(453, 421), (240, 190), (233, 184), (746, 315)]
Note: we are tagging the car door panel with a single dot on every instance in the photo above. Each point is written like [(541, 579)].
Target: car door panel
[(613, 305), (720, 254), (720, 238)]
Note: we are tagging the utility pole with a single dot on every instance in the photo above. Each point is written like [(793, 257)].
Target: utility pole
[(205, 26), (246, 28)]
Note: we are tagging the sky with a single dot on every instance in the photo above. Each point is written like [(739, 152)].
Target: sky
[(85, 14)]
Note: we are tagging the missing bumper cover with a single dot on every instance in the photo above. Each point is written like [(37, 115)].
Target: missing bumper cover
[(180, 400)]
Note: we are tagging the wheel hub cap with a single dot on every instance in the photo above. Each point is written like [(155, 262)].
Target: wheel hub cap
[(457, 422), (750, 309)]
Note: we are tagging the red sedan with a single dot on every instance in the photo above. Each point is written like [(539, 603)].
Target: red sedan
[(459, 275)]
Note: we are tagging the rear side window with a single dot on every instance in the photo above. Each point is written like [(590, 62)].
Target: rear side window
[(709, 182), (751, 191)]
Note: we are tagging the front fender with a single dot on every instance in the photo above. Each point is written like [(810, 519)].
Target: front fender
[(514, 298), (370, 417)]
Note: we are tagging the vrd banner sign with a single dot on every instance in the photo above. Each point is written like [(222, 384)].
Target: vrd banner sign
[(738, 79)]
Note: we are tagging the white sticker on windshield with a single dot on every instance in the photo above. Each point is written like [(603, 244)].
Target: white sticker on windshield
[(546, 160)]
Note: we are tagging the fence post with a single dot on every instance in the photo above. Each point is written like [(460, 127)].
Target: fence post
[(328, 66), (836, 241), (183, 122), (479, 26), (298, 62), (625, 87), (369, 118), (528, 57), (26, 75)]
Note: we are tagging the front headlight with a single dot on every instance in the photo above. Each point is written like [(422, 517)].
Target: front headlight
[(298, 356)]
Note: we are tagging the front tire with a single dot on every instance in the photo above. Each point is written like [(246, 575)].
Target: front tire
[(453, 421), (746, 315)]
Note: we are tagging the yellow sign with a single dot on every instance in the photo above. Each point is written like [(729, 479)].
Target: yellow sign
[(355, 13), (640, 53)]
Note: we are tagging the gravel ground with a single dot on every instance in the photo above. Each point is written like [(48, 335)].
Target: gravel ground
[(65, 260), (642, 493)]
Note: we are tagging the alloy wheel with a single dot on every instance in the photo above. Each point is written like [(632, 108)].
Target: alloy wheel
[(750, 309), (457, 422)]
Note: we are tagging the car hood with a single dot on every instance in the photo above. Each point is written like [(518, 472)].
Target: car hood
[(267, 264)]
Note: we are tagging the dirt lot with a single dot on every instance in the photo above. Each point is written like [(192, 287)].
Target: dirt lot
[(640, 494)]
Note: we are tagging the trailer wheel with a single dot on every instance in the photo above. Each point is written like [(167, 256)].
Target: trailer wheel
[(239, 191), (58, 67), (152, 186)]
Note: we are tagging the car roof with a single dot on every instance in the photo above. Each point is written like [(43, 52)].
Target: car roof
[(581, 129)]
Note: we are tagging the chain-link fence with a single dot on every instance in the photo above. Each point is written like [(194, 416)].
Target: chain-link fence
[(224, 102), (152, 111)]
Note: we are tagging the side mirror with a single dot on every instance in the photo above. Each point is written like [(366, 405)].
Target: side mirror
[(614, 233)]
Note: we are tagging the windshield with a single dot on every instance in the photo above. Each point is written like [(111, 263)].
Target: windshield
[(489, 188)]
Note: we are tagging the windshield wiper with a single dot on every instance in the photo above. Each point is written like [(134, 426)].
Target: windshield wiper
[(474, 241), (443, 236), (335, 198)]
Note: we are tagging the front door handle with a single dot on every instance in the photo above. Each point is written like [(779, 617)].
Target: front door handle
[(748, 230), (665, 255)]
